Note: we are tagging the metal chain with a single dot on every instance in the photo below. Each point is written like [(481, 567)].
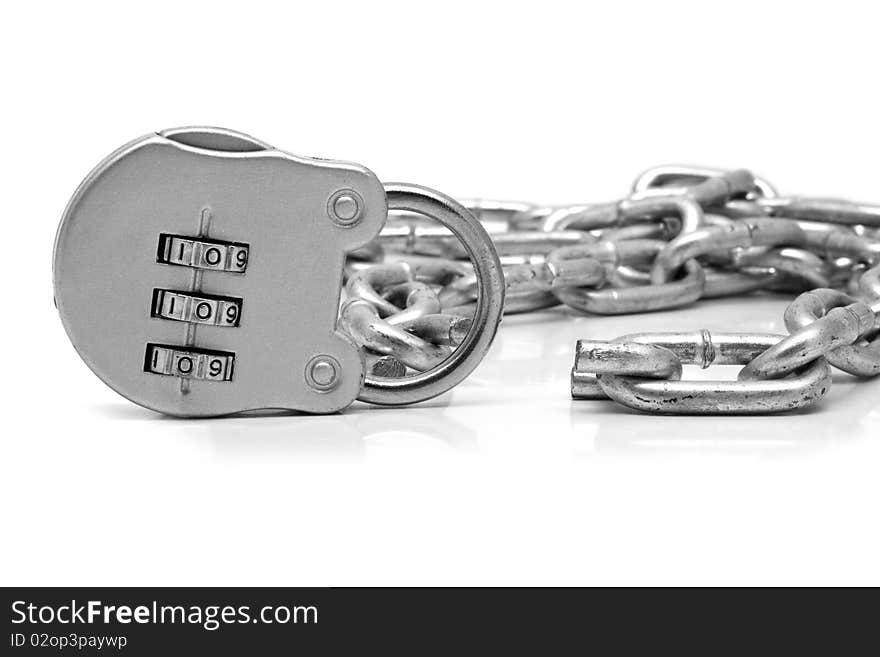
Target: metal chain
[(682, 234)]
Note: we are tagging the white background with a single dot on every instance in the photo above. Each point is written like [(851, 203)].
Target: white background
[(505, 481)]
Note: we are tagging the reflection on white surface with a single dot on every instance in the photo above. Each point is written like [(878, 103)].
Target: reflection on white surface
[(517, 405)]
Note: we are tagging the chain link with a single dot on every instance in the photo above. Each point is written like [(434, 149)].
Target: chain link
[(682, 234)]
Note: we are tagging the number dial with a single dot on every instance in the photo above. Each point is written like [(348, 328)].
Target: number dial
[(199, 308), (189, 363), (201, 253)]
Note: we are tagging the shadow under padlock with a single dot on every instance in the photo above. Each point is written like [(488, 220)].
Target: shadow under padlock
[(347, 438)]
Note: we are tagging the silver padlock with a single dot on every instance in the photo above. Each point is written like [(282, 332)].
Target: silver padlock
[(198, 271)]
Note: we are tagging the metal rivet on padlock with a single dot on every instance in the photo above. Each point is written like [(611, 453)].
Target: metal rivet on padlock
[(197, 274), (322, 372), (345, 207)]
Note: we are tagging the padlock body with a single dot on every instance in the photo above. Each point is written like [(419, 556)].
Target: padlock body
[(198, 273)]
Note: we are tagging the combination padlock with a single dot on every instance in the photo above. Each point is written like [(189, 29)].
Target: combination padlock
[(198, 272)]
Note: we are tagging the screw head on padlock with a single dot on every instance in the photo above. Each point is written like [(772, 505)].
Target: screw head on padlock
[(197, 272)]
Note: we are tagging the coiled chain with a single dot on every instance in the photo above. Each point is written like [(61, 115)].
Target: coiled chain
[(682, 234)]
